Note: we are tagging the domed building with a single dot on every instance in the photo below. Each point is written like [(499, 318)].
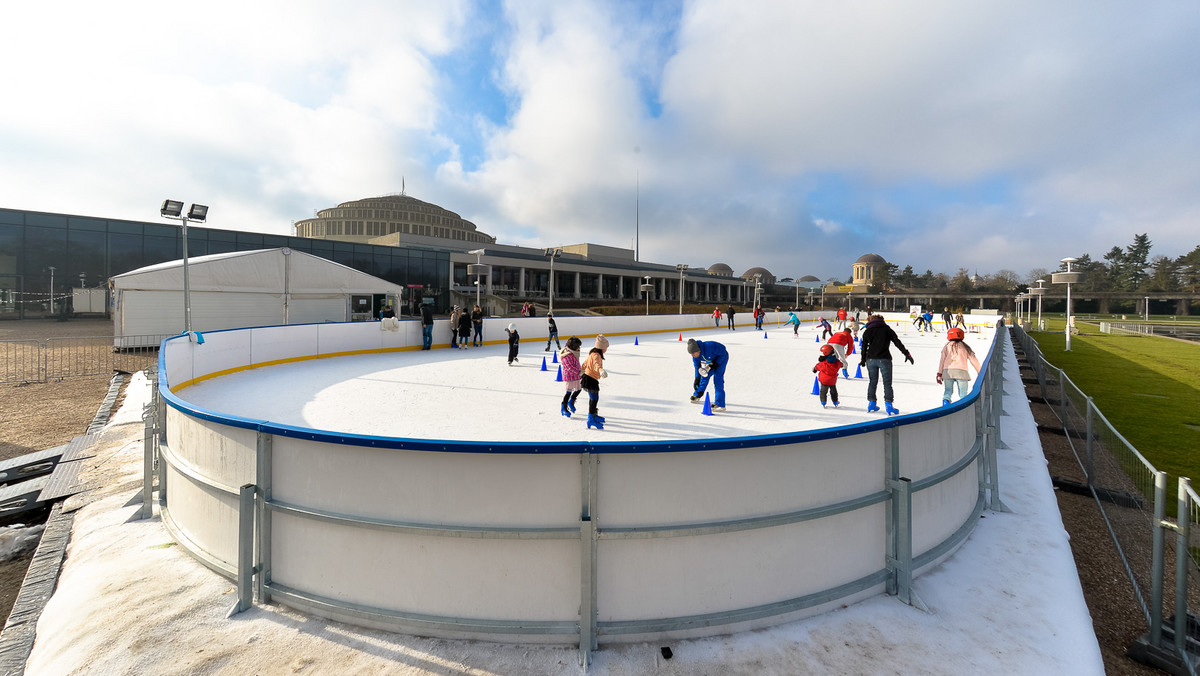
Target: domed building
[(393, 218), (866, 272), (766, 276), (720, 270)]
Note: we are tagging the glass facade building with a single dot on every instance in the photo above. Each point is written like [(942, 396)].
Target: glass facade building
[(46, 255)]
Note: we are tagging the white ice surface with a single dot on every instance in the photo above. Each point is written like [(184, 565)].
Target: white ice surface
[(1007, 602), (473, 394)]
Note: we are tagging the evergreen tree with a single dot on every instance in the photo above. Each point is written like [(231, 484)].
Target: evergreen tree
[(1189, 270)]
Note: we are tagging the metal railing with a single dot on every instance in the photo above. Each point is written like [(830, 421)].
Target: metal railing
[(1131, 496), (38, 361)]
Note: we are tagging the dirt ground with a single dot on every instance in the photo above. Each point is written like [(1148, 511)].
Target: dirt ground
[(39, 416)]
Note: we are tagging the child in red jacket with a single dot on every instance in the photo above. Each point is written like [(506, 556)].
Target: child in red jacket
[(827, 373)]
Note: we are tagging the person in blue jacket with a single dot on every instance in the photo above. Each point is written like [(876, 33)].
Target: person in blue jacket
[(709, 359)]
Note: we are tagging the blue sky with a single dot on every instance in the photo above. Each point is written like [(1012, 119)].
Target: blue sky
[(793, 135)]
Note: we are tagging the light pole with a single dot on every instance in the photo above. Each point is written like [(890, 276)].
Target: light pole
[(796, 307), (1039, 292), (197, 212), (51, 268), (552, 254), (1067, 278), (1147, 308), (880, 302), (757, 288), (681, 267), (646, 289), (479, 269)]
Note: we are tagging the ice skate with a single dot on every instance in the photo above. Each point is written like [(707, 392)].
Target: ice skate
[(872, 407), (571, 405), (599, 418), (695, 399), (718, 408), (945, 402), (592, 422), (566, 413), (835, 404), (891, 410)]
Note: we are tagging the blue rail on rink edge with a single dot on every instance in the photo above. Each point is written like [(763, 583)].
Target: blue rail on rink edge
[(513, 447)]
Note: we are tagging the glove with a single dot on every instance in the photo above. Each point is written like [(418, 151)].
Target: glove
[(603, 373), (939, 379), (696, 383), (908, 358)]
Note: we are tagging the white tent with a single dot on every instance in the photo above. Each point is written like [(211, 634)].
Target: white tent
[(244, 288)]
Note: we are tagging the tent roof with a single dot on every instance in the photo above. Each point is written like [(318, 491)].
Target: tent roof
[(259, 270)]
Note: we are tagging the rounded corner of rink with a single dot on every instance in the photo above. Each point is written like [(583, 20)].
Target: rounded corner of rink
[(494, 517)]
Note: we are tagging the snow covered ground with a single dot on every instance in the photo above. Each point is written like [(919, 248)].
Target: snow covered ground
[(130, 601)]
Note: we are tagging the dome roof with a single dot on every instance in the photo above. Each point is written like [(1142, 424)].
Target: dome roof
[(766, 274), (870, 258), (721, 270), (810, 278)]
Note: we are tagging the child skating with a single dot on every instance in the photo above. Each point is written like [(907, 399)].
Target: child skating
[(952, 368), (571, 371), (593, 371), (795, 322), (514, 341), (827, 374)]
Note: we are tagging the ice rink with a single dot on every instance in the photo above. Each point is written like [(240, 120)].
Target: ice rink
[(1007, 601), (474, 395)]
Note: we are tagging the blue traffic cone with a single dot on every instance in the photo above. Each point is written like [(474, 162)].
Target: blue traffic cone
[(816, 386), (816, 339), (558, 378), (764, 335), (554, 358), (544, 364), (635, 340), (858, 372), (707, 410)]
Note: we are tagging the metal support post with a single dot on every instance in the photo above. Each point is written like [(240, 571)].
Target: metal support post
[(891, 463), (263, 449), (587, 558), (245, 569), (1156, 564), (1183, 518), (148, 462)]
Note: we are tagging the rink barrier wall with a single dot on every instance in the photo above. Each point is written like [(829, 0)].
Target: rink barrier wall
[(562, 542)]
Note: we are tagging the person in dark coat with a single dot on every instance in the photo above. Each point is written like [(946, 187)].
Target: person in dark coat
[(729, 316), (877, 357), (514, 342), (464, 328), (553, 334), (426, 326)]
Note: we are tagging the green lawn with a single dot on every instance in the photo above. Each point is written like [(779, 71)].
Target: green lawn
[(1147, 387)]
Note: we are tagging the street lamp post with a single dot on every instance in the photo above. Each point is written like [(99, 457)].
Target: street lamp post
[(681, 267), (1067, 278), (197, 213), (1039, 292), (479, 269), (552, 254), (1147, 308), (51, 290), (646, 289)]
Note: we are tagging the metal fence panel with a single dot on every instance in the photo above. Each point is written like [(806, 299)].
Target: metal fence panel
[(21, 361), (35, 361)]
